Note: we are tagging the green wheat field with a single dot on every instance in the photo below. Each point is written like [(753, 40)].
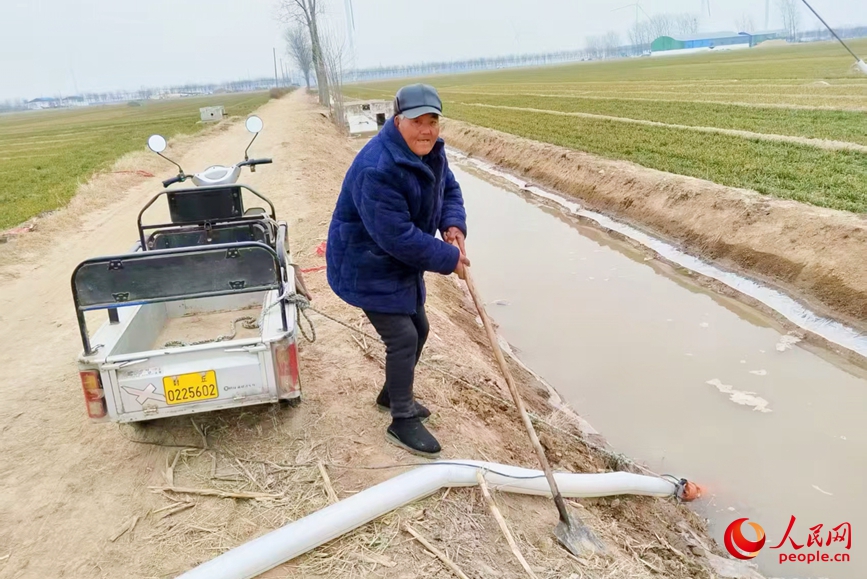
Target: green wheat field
[(46, 155), (806, 91)]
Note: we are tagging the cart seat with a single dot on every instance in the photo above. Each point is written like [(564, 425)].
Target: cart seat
[(231, 233)]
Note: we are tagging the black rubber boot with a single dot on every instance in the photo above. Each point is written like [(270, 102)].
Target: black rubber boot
[(410, 434), (384, 404)]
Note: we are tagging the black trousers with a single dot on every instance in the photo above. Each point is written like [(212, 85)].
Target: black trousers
[(404, 337)]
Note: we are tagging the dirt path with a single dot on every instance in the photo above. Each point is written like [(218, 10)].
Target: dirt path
[(72, 482), (70, 487), (827, 144)]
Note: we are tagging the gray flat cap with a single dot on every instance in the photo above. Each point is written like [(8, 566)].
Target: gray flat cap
[(415, 100)]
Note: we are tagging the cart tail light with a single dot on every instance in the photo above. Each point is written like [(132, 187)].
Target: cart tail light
[(286, 358), (94, 395)]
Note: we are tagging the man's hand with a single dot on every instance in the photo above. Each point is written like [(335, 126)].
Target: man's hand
[(461, 270), (300, 286), (452, 235), (455, 236)]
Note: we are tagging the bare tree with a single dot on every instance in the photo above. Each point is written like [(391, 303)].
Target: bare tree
[(661, 25), (298, 47), (790, 11), (640, 35), (643, 33), (611, 42), (685, 23), (306, 13), (595, 46), (745, 23), (334, 54)]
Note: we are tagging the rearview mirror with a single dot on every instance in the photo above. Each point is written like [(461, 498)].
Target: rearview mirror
[(254, 124), (157, 143)]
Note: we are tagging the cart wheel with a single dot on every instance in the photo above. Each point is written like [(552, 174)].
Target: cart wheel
[(291, 402)]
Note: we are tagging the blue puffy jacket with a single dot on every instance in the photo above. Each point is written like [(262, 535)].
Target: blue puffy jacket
[(381, 238)]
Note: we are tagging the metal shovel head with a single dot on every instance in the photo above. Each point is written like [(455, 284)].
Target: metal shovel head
[(578, 538)]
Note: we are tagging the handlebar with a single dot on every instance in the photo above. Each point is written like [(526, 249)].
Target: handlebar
[(250, 163), (254, 162), (173, 180)]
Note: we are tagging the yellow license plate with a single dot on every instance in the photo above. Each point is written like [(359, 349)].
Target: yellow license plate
[(190, 387)]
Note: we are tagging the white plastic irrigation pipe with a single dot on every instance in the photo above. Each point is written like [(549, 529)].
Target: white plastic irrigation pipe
[(286, 543)]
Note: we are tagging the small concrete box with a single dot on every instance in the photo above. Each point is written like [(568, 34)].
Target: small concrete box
[(367, 116), (212, 113)]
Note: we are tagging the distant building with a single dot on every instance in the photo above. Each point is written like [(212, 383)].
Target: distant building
[(712, 40), (43, 103), (763, 35), (706, 40), (364, 117), (212, 114), (56, 103)]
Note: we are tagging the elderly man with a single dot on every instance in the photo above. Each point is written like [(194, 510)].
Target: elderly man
[(397, 194)]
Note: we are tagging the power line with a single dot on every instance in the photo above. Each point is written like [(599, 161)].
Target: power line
[(855, 56), (276, 81)]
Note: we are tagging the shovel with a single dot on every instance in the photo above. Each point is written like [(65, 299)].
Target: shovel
[(570, 531)]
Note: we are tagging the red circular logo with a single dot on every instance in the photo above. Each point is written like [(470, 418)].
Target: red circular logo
[(738, 545)]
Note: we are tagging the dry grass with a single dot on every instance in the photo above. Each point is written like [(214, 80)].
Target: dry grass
[(456, 521), (286, 459), (209, 525)]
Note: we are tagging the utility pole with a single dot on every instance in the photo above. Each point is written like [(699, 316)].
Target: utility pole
[(276, 81), (74, 81), (350, 25)]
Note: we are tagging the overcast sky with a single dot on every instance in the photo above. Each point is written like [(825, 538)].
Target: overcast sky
[(51, 47)]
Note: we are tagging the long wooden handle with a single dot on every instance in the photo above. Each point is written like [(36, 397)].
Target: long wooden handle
[(516, 396)]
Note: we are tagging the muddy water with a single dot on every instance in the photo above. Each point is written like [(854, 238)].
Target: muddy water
[(687, 381)]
